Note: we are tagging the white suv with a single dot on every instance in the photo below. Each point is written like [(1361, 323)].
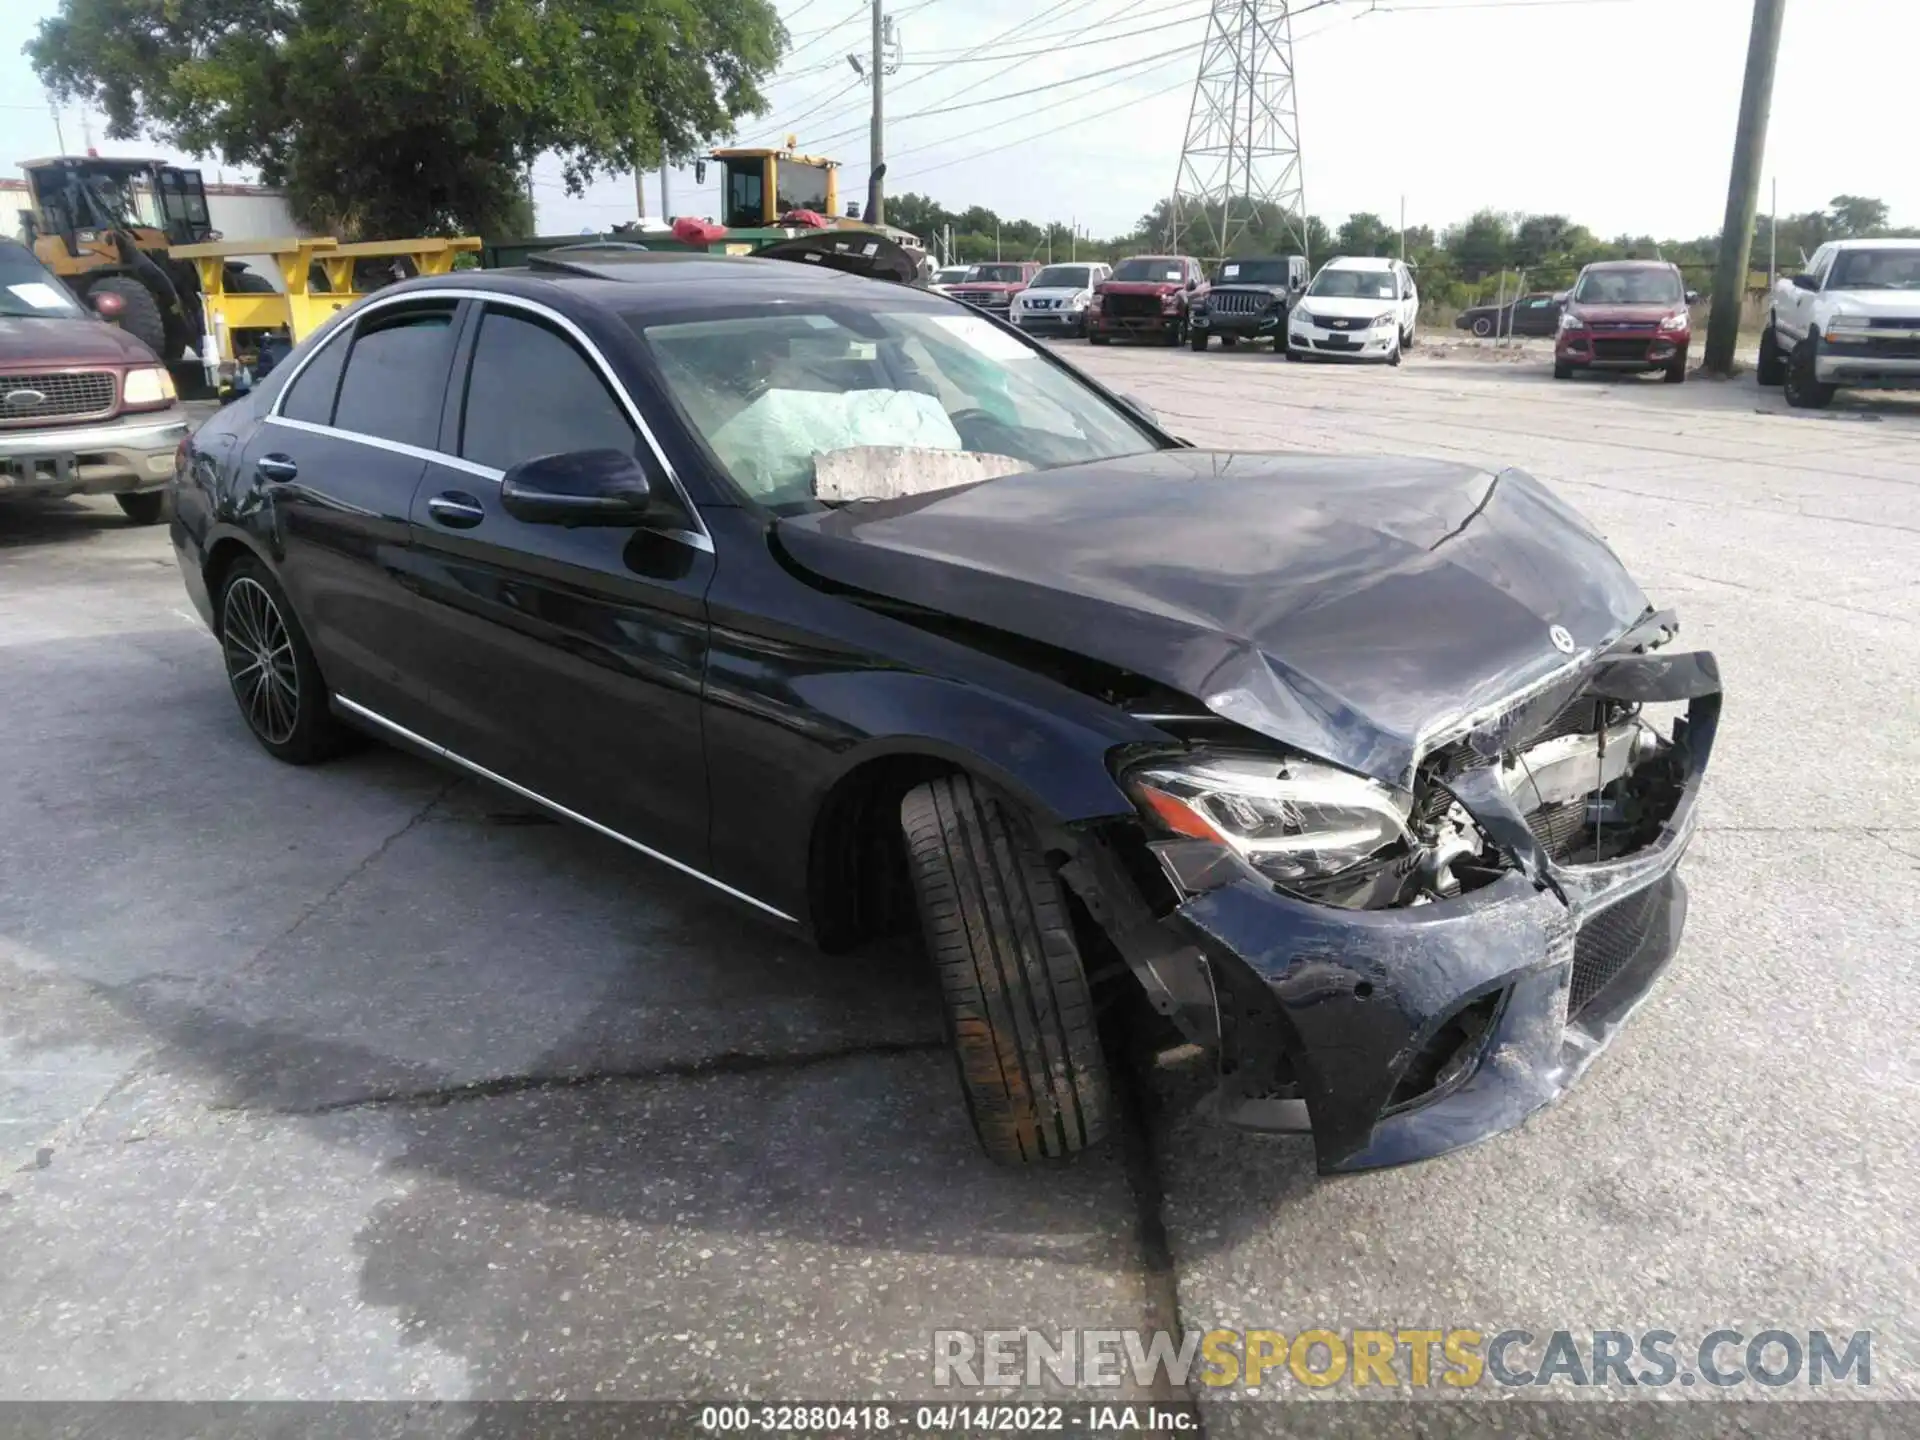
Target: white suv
[(1851, 318), (1357, 308)]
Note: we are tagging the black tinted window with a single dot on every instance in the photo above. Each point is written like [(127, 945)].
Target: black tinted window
[(532, 393), (397, 376), (310, 397)]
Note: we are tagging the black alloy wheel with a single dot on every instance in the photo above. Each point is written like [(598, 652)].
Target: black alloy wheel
[(271, 667)]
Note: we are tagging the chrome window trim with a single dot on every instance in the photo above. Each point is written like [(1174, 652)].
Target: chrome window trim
[(698, 537), (374, 717)]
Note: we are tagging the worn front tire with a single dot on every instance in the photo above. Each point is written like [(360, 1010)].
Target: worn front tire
[(1805, 389), (1772, 369), (1000, 935), (144, 507)]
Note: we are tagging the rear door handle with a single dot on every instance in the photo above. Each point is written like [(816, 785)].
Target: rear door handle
[(278, 468), (456, 509)]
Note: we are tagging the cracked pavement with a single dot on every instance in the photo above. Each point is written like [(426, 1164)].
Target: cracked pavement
[(364, 1081)]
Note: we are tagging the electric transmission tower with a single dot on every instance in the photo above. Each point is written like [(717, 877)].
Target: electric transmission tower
[(1242, 151)]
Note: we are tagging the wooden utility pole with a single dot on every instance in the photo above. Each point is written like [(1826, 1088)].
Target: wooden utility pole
[(1743, 186), (876, 136)]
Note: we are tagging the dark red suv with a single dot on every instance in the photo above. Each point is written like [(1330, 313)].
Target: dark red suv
[(85, 408), (1625, 315)]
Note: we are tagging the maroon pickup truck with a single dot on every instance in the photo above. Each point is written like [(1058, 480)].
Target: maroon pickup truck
[(991, 286), (1148, 297), (85, 408)]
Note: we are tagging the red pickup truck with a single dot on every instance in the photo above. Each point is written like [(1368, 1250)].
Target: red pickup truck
[(1147, 296), (991, 286), (85, 408)]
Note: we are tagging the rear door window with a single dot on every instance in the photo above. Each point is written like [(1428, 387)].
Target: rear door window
[(310, 397), (532, 392), (396, 378)]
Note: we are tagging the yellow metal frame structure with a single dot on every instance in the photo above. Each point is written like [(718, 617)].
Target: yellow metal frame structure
[(301, 309)]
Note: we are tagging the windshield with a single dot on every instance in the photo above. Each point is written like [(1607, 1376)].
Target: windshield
[(997, 274), (1063, 277), (801, 187), (28, 290), (842, 402), (949, 275), (1876, 270), (1629, 287), (1353, 284), (1253, 272), (1156, 268)]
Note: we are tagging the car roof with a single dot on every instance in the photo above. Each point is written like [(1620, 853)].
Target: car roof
[(641, 280), (1891, 242)]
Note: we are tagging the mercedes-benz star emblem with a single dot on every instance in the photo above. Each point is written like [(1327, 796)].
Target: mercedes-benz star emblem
[(1562, 641)]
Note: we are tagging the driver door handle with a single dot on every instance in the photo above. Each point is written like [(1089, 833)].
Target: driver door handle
[(277, 468), (456, 509)]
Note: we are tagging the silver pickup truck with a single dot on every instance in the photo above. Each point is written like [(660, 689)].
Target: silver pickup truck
[(1851, 318)]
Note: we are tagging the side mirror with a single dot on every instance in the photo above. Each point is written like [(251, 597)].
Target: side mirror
[(582, 487), (1693, 297), (107, 305), (1142, 408), (1806, 282)]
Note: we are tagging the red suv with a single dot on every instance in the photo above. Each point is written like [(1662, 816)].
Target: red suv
[(1625, 315)]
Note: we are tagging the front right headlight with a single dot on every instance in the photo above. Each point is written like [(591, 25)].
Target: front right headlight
[(1290, 820), (147, 387)]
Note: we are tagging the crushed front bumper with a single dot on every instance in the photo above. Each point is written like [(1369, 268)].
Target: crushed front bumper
[(111, 457), (1397, 1035)]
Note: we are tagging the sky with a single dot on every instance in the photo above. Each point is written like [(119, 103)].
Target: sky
[(1617, 113)]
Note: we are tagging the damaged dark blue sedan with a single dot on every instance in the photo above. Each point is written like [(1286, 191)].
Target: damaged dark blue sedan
[(1372, 776)]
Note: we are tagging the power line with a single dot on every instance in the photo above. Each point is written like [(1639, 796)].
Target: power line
[(1187, 19), (801, 9)]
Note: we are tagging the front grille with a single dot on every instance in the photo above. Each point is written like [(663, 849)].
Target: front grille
[(1619, 349), (1607, 943), (1892, 349), (985, 299), (1338, 322), (1133, 306), (1238, 302), (1891, 322), (59, 394), (1601, 327)]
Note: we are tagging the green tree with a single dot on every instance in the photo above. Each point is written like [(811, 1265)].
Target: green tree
[(1857, 215), (398, 117), (1482, 245), (1367, 234)]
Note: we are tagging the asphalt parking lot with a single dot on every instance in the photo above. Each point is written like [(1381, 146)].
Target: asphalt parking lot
[(365, 1082)]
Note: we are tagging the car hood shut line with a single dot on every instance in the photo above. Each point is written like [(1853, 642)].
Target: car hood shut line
[(1350, 608)]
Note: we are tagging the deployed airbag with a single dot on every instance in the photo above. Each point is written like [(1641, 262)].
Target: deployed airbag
[(770, 446)]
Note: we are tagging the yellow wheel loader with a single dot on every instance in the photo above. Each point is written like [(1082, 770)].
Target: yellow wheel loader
[(108, 227)]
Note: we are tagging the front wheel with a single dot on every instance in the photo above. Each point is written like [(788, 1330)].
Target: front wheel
[(1394, 358), (1677, 368), (1199, 340), (271, 667), (1094, 337), (1408, 338), (1562, 371), (1805, 391), (1018, 1008), (148, 507)]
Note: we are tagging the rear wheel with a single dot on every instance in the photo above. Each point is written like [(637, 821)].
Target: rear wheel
[(1000, 935), (140, 315), (1096, 338), (1772, 369), (272, 671), (1483, 326), (148, 507), (1562, 371), (1199, 340)]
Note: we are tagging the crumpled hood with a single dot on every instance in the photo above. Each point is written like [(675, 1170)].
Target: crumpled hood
[(1352, 608)]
